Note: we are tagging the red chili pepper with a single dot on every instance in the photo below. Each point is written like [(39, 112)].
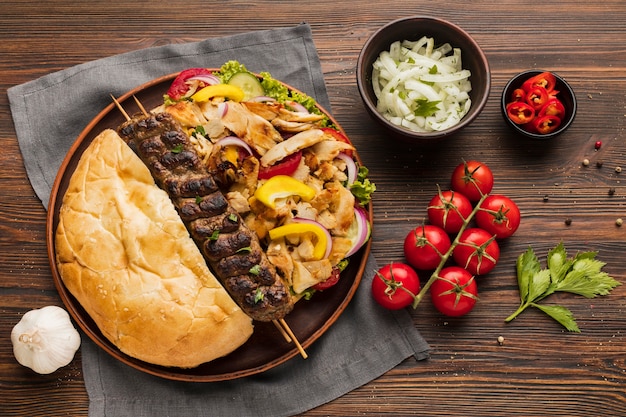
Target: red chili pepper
[(518, 95), (520, 112), (553, 107), (545, 124), (537, 97), (546, 80)]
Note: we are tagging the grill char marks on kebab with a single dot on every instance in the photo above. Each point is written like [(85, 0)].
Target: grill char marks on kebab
[(232, 250)]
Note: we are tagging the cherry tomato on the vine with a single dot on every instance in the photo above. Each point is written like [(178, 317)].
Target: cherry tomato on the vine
[(473, 179), (448, 210), (454, 292), (395, 286), (499, 216), (425, 245), (477, 251)]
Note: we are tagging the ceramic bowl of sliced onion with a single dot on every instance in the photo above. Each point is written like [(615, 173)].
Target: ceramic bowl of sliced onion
[(423, 78)]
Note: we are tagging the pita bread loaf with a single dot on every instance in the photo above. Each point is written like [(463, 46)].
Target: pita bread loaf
[(125, 255)]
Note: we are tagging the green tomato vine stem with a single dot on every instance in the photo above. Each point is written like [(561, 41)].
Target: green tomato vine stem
[(444, 258)]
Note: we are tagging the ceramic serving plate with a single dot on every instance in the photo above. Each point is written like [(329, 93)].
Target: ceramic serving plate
[(266, 348)]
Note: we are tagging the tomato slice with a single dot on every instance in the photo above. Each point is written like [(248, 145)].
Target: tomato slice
[(330, 282), (338, 136), (179, 86), (285, 166)]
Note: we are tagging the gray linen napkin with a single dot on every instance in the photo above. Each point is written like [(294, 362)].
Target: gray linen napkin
[(365, 342)]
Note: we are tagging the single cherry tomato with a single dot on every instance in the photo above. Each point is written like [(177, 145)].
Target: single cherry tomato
[(285, 166), (454, 292), (520, 112), (449, 210), (473, 179), (395, 286), (477, 251), (179, 86), (338, 136), (499, 216), (425, 245), (330, 281)]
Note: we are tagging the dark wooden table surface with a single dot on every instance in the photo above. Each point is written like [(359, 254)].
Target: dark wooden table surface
[(540, 370)]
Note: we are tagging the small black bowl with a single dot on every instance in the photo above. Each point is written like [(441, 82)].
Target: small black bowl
[(413, 28), (566, 95)]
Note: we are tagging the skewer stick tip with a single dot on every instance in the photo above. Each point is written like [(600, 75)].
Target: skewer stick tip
[(120, 108), (143, 110), (295, 340)]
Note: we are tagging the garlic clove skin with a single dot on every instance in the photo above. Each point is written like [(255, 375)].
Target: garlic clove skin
[(45, 340)]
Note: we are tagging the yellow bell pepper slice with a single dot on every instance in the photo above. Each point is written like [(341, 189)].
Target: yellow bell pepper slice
[(218, 90), (282, 186), (322, 242)]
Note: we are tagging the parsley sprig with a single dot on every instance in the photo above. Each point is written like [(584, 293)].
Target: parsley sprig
[(581, 275)]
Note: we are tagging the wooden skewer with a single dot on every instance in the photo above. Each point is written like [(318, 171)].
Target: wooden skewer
[(290, 333), (282, 331), (281, 324), (143, 110), (120, 108)]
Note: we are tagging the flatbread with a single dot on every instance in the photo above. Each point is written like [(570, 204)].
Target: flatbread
[(126, 256)]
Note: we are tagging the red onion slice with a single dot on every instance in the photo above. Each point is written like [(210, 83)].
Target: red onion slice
[(208, 79), (235, 141), (222, 109), (350, 167), (363, 230), (297, 106), (263, 99)]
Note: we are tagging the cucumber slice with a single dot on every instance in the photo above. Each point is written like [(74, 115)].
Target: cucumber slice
[(250, 85)]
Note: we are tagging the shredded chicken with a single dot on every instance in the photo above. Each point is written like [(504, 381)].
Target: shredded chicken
[(293, 144)]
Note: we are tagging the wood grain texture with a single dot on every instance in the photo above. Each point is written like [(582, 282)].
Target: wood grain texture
[(540, 370)]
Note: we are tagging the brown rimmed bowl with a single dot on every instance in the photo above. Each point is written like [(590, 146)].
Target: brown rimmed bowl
[(442, 31), (266, 348)]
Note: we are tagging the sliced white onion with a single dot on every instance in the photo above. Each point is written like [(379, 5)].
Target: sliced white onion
[(329, 244), (350, 167), (363, 230), (208, 79), (412, 74), (235, 141)]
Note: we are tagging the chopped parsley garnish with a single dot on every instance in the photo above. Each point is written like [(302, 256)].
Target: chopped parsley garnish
[(258, 296), (425, 107)]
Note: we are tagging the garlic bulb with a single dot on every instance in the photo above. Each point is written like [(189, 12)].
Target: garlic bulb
[(45, 339)]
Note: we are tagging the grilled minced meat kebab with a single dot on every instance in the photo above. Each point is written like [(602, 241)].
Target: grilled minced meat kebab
[(231, 249)]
